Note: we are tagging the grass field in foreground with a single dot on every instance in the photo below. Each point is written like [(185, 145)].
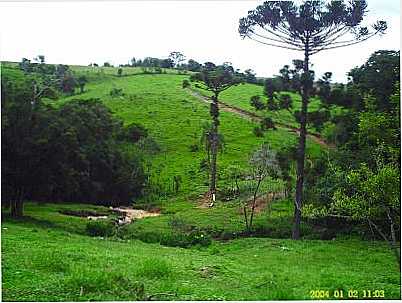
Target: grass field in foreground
[(43, 263)]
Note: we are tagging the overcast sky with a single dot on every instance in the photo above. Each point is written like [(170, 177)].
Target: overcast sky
[(75, 32)]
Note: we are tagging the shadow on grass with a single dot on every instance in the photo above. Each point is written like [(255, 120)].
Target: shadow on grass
[(6, 217)]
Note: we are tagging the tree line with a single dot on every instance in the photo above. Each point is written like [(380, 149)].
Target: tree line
[(72, 152)]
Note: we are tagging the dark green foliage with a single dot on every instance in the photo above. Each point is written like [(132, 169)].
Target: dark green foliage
[(194, 148), (82, 80), (184, 240), (100, 228), (116, 92), (318, 118), (341, 129), (258, 131), (249, 76), (348, 96), (193, 66), (176, 58), (309, 27), (285, 102), (285, 78), (64, 154), (378, 76), (68, 83), (267, 124), (186, 83), (133, 132), (256, 102), (120, 72), (270, 90), (216, 78), (176, 183), (324, 86)]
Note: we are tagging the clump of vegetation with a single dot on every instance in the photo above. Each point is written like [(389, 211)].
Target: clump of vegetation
[(154, 268), (258, 131), (116, 92), (185, 240), (100, 228), (52, 150), (186, 83), (134, 132), (149, 145), (194, 148)]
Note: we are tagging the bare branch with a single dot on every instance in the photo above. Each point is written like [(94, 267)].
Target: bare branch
[(280, 46), (279, 41), (343, 45)]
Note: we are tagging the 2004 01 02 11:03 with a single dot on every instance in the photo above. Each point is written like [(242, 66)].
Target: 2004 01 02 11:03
[(349, 294)]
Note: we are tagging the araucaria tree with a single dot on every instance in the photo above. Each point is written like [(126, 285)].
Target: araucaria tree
[(312, 27), (215, 79)]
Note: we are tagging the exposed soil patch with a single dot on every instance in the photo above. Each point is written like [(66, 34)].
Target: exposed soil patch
[(129, 214), (205, 200), (262, 201)]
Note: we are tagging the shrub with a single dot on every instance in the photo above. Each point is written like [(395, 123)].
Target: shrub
[(195, 237), (204, 165), (194, 148), (256, 102), (198, 237), (329, 132), (267, 123), (134, 132), (179, 224), (258, 132), (100, 228), (186, 83), (149, 144), (116, 92)]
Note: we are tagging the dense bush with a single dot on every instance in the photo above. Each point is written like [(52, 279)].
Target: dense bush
[(116, 92), (258, 131), (133, 132), (186, 83), (100, 228), (184, 240)]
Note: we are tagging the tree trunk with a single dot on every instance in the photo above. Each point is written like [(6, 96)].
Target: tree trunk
[(214, 144), (254, 200), (301, 149), (17, 204)]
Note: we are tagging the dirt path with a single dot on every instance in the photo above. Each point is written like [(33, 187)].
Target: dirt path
[(131, 214), (256, 118)]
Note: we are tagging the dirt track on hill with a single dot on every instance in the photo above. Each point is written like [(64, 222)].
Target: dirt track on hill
[(256, 118)]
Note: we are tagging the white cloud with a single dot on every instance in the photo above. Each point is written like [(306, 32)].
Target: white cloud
[(84, 32)]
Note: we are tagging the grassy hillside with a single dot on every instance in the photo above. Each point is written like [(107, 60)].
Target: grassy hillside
[(240, 95), (48, 256), (175, 120)]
